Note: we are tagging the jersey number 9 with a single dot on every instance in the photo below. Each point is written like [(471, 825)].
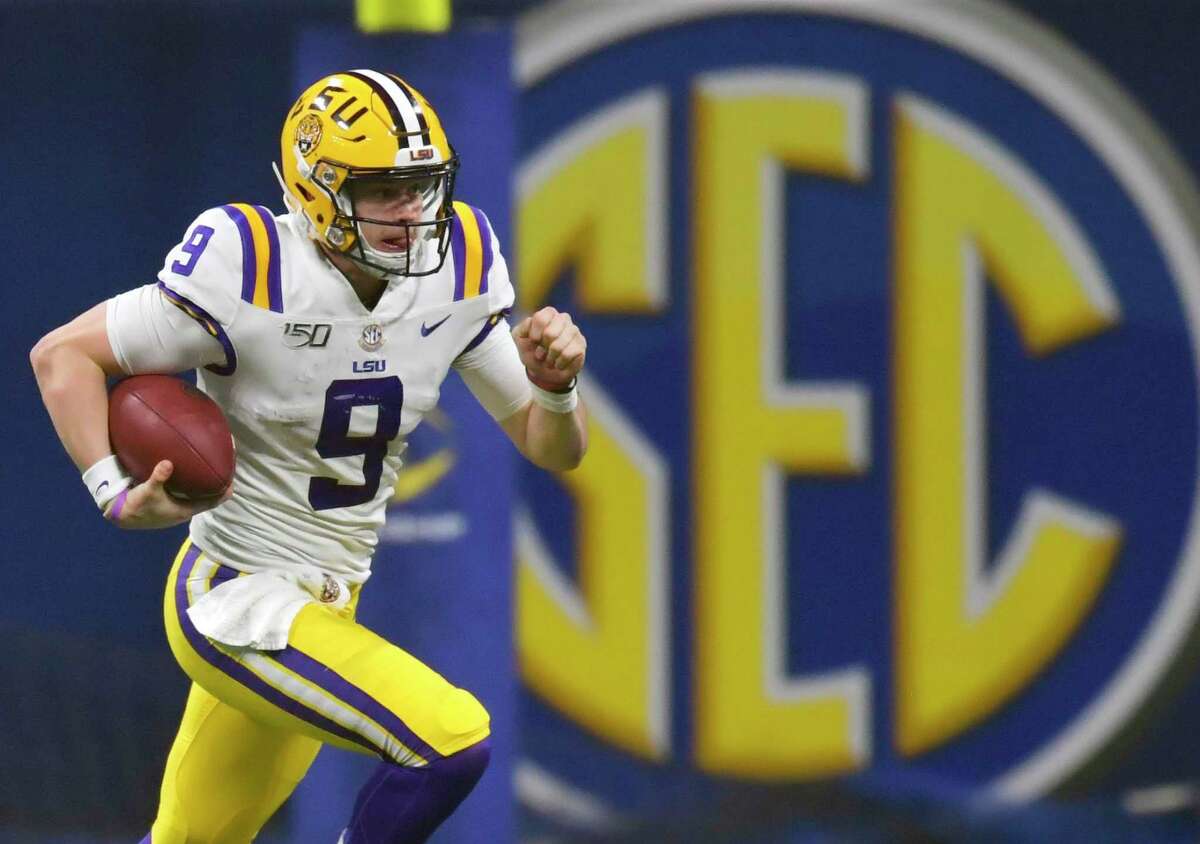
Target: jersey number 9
[(335, 439)]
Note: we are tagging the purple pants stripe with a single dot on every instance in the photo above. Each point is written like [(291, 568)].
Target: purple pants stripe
[(243, 675), (249, 257), (274, 284), (458, 248), (326, 678), (223, 574)]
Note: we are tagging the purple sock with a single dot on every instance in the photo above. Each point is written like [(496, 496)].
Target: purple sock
[(400, 805)]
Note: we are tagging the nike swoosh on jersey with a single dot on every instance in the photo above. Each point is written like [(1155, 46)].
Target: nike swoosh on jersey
[(426, 330)]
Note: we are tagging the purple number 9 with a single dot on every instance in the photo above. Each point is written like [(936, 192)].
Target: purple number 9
[(194, 247), (335, 439)]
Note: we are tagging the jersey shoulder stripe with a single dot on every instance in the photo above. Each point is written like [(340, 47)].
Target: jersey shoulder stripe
[(211, 325), (490, 323), (471, 245), (261, 276)]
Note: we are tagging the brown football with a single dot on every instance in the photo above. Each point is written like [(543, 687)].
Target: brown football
[(160, 417)]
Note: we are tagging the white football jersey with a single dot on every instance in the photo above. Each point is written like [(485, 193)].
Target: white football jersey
[(320, 392)]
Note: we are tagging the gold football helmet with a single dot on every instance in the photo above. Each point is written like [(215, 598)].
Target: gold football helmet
[(362, 126)]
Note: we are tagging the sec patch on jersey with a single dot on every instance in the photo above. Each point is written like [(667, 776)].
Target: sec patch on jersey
[(160, 417)]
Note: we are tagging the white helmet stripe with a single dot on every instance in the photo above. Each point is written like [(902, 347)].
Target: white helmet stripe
[(400, 100)]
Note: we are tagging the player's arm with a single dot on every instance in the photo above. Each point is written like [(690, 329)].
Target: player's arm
[(71, 365), (177, 325), (550, 430), (526, 379), (546, 423)]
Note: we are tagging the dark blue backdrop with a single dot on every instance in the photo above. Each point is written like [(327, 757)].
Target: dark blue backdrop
[(124, 120), (132, 120)]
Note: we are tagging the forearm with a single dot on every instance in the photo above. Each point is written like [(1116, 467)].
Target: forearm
[(74, 392), (556, 441), (72, 381)]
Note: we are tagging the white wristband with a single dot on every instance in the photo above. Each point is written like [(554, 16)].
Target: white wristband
[(555, 402), (106, 479)]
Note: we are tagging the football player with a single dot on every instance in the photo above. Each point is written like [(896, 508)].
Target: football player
[(324, 334)]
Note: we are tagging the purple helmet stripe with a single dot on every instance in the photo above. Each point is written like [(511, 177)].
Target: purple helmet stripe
[(274, 279), (210, 325), (399, 126), (249, 257), (416, 106), (243, 675)]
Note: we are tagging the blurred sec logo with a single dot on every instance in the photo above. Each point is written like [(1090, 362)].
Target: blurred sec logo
[(421, 510), (892, 315)]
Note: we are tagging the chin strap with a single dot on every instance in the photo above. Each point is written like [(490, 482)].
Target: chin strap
[(296, 213)]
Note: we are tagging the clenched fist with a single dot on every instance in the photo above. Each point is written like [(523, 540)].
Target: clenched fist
[(552, 348)]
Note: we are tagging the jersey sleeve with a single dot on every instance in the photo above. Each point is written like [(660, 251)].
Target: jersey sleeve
[(182, 322), (207, 268), (149, 333), (490, 278), (494, 373), (499, 287), (489, 364)]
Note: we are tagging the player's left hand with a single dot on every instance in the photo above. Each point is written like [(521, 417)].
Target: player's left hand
[(551, 346)]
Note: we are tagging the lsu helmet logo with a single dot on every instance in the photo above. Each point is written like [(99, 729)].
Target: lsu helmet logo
[(934, 294), (308, 134)]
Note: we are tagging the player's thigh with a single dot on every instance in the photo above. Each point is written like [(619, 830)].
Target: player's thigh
[(226, 774), (410, 703), (243, 678), (336, 681)]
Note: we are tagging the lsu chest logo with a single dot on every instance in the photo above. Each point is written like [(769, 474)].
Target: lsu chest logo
[(936, 299)]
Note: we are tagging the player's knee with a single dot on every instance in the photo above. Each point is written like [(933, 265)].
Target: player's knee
[(461, 716), (467, 765)]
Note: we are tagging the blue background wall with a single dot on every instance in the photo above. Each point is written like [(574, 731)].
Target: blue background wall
[(124, 121), (137, 118)]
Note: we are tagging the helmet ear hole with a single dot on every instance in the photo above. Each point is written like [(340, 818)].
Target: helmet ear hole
[(308, 197), (320, 218)]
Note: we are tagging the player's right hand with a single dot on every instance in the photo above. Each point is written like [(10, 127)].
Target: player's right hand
[(148, 505)]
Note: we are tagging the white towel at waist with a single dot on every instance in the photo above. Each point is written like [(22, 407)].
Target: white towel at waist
[(257, 610)]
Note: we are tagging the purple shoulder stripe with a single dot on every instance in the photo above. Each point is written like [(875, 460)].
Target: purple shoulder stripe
[(485, 240), (210, 325), (249, 259), (491, 323), (458, 248), (274, 279)]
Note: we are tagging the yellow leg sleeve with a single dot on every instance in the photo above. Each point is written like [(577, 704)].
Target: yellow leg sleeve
[(226, 774)]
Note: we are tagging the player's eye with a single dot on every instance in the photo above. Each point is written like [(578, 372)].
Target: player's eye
[(420, 187)]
